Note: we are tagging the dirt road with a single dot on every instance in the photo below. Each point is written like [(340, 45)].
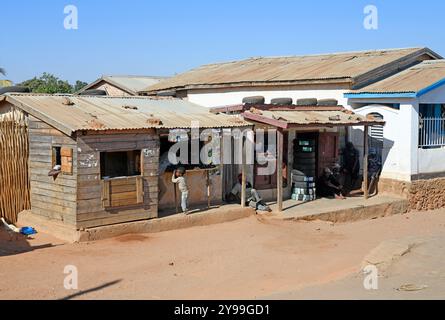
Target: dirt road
[(244, 259)]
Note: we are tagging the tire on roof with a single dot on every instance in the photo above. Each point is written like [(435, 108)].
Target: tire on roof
[(282, 101), (307, 102), (93, 92), (14, 89), (254, 100), (327, 102)]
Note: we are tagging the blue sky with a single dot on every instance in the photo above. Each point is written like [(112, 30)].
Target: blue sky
[(167, 37)]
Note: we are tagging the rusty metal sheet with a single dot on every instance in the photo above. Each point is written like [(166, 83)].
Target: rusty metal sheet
[(311, 118), (119, 113), (411, 80), (340, 66)]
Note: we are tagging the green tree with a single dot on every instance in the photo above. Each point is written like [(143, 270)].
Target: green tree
[(79, 85), (47, 83)]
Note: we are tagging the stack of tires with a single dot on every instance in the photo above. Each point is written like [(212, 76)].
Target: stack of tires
[(304, 170), (303, 187)]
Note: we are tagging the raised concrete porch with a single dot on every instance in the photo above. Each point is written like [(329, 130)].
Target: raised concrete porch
[(167, 221), (351, 209)]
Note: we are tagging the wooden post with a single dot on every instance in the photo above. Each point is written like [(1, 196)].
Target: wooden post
[(244, 178), (176, 197), (365, 161), (208, 189), (280, 170)]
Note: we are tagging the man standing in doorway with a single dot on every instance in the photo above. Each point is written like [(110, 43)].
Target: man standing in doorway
[(350, 166)]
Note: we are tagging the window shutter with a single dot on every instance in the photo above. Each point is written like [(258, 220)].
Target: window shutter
[(53, 158), (106, 197), (67, 160), (140, 190)]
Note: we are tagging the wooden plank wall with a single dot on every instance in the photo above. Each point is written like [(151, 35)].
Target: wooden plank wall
[(90, 210), (51, 198)]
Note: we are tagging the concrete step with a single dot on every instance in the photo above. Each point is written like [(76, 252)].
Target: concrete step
[(340, 211)]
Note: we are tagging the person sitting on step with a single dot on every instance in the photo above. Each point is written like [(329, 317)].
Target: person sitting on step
[(253, 199)]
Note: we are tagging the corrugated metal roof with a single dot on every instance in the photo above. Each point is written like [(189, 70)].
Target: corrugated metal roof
[(256, 71), (118, 113), (130, 84), (411, 80), (310, 118)]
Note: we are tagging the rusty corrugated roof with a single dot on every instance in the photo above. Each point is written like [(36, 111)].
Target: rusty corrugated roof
[(313, 118), (130, 84), (118, 113), (412, 80), (341, 67)]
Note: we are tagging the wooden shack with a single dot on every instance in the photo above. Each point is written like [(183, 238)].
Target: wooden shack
[(94, 161)]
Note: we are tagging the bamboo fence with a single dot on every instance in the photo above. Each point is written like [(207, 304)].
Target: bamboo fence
[(14, 154)]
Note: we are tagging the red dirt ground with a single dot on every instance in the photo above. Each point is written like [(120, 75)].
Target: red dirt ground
[(245, 259)]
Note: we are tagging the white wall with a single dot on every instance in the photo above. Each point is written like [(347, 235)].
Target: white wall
[(405, 159), (235, 96), (394, 163), (431, 160)]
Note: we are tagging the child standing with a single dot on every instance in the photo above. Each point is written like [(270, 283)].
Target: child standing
[(179, 178)]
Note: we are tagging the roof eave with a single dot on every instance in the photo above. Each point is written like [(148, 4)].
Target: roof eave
[(340, 80), (377, 95), (66, 130), (431, 87), (362, 80), (400, 94), (107, 80)]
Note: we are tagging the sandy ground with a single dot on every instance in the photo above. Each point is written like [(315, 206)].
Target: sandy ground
[(419, 274), (246, 259)]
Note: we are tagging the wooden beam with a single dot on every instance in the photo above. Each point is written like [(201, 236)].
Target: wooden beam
[(229, 108), (244, 178), (280, 170), (365, 161), (208, 188), (265, 120)]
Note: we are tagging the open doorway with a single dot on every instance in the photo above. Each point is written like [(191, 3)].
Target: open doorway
[(305, 153)]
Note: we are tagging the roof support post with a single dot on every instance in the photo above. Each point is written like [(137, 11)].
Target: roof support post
[(279, 168), (243, 174), (365, 161)]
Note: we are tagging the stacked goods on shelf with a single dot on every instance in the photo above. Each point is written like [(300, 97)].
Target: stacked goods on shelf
[(305, 165), (305, 156)]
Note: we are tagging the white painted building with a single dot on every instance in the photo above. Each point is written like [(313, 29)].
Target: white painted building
[(413, 105)]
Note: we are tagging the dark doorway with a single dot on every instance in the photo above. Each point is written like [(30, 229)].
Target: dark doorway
[(306, 153)]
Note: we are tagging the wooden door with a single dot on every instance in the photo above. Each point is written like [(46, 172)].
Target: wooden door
[(265, 182), (328, 152)]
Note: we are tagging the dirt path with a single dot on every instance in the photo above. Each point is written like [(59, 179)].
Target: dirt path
[(245, 259)]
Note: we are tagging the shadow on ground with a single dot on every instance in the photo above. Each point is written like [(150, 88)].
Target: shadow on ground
[(14, 243), (83, 292)]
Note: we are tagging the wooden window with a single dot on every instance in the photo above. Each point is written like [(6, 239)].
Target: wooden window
[(122, 181), (63, 157), (56, 156), (120, 164), (122, 192), (66, 155)]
